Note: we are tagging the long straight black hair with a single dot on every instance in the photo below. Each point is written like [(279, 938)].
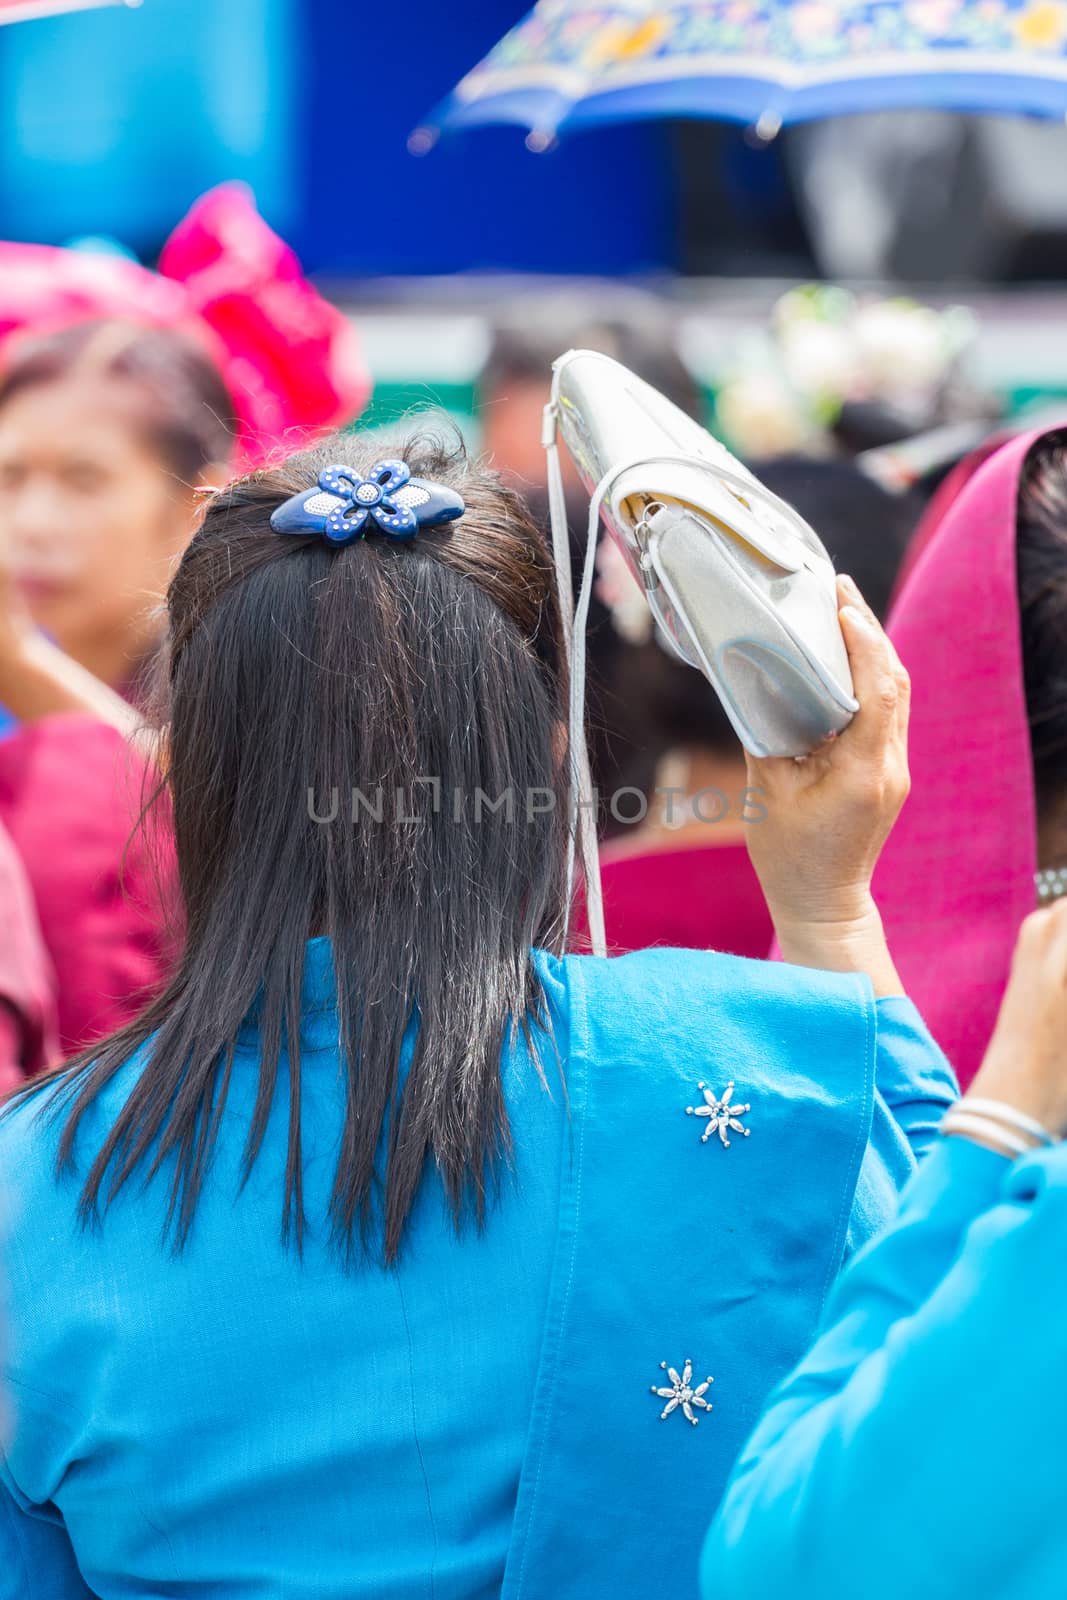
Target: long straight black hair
[(1041, 528), (305, 683)]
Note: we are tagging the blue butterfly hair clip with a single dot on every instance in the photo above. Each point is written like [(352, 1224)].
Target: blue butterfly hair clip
[(344, 506)]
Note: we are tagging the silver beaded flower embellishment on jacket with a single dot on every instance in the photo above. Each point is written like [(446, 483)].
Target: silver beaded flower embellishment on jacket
[(722, 1116), (681, 1393)]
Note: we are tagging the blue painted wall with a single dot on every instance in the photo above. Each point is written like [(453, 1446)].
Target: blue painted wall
[(113, 121), (601, 202)]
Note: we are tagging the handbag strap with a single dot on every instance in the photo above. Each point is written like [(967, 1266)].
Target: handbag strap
[(581, 832), (582, 836)]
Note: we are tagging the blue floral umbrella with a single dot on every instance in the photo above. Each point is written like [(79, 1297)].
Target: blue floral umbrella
[(765, 62)]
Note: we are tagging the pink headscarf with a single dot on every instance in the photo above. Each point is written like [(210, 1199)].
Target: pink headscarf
[(291, 361), (957, 876)]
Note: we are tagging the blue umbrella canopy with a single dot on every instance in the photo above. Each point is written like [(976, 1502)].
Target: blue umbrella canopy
[(764, 62)]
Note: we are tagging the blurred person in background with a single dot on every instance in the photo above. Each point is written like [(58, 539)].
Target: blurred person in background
[(515, 383), (86, 901), (221, 356), (682, 876), (981, 623), (378, 1281), (107, 430)]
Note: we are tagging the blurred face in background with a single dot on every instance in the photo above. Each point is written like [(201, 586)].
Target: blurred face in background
[(511, 416), (92, 521)]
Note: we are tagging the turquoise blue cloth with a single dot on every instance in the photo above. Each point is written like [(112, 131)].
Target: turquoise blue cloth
[(918, 1449), (478, 1421)]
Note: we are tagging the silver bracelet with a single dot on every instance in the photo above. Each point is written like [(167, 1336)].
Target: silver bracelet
[(999, 1110), (968, 1123)]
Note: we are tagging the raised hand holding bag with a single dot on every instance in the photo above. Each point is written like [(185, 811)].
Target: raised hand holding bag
[(738, 583)]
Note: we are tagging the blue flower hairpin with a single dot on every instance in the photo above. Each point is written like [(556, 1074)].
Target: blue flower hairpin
[(344, 506)]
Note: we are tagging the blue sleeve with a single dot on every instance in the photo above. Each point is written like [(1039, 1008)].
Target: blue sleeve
[(912, 1074), (36, 1558), (879, 1460)]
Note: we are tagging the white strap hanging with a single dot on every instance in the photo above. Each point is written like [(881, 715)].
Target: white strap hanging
[(583, 835), (582, 831)]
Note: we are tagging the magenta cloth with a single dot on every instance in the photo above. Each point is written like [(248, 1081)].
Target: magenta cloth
[(291, 361), (944, 497), (71, 792), (28, 1025), (692, 899), (957, 876)]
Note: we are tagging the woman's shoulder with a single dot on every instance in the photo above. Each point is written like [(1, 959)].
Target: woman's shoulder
[(28, 1128), (706, 980), (31, 1129), (666, 1004)]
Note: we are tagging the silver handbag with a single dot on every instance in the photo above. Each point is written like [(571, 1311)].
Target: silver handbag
[(737, 582)]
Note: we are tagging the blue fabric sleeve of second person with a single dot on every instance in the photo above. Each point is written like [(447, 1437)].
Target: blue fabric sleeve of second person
[(914, 1087), (913, 1076), (918, 1448)]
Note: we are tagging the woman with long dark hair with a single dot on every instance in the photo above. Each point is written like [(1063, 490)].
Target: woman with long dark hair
[(392, 1251)]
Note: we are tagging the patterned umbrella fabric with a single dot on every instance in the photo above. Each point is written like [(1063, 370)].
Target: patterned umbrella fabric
[(765, 62), (25, 10)]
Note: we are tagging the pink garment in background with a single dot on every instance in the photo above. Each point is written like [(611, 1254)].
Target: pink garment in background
[(28, 1038), (291, 361), (692, 899), (70, 795), (944, 497), (957, 876)]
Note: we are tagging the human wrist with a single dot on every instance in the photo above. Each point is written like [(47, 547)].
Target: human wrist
[(843, 918), (852, 939), (1008, 1082), (999, 1125)]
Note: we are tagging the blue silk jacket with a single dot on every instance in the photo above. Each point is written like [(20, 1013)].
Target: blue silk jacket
[(488, 1417)]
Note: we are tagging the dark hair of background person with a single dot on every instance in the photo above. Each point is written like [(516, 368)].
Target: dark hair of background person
[(520, 354), (183, 406), (293, 670), (1041, 546), (865, 529)]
